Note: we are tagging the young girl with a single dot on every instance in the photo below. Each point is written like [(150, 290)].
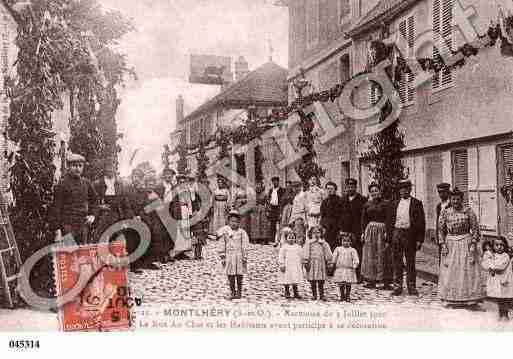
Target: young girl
[(233, 246), (289, 260), (499, 285), (317, 254), (345, 260)]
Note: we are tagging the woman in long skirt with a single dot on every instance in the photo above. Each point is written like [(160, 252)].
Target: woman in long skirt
[(460, 281), (221, 206), (260, 230), (376, 259), (313, 200), (240, 200)]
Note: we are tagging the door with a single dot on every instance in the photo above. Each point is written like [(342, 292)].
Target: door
[(505, 178)]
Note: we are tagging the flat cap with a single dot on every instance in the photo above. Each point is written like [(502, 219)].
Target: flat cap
[(405, 184), (351, 181), (74, 157), (234, 213), (443, 186)]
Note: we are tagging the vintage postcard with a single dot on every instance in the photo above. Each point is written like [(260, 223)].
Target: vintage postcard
[(256, 165)]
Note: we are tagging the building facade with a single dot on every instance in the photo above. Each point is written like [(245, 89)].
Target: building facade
[(263, 89), (8, 54), (458, 126)]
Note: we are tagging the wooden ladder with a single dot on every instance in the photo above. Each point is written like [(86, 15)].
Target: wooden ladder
[(10, 260)]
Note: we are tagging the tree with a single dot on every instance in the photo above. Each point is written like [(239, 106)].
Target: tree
[(54, 59), (92, 89), (143, 175)]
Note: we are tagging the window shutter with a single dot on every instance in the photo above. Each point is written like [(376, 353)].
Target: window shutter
[(460, 172), (312, 24), (442, 29), (507, 164), (406, 88)]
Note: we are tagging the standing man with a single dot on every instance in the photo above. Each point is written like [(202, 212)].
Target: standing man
[(275, 203), (114, 204), (75, 203), (443, 192), (331, 208), (351, 214), (409, 226)]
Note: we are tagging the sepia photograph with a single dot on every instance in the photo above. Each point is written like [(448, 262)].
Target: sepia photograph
[(263, 166)]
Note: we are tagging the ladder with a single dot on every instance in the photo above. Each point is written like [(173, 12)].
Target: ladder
[(10, 260)]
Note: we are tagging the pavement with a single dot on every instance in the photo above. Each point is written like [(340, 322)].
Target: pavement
[(201, 284)]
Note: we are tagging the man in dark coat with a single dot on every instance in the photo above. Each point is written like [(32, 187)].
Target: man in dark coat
[(331, 209), (113, 199), (443, 192), (351, 217), (75, 204), (408, 226), (275, 199)]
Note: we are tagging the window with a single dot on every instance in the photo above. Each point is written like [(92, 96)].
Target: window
[(344, 11), (406, 88), (345, 68), (442, 34), (460, 172), (312, 23)]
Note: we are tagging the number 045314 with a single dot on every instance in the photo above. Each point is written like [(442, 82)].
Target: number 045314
[(24, 344)]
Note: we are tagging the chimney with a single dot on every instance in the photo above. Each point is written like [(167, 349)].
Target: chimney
[(179, 109), (241, 68)]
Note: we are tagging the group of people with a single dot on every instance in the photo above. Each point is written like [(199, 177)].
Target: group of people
[(320, 234), (86, 210)]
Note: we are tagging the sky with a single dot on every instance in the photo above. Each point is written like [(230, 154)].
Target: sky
[(167, 32)]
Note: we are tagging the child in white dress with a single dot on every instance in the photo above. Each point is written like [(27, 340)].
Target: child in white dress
[(233, 253), (345, 260), (290, 262), (499, 286)]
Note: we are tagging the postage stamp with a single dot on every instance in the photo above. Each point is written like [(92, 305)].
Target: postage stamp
[(100, 305)]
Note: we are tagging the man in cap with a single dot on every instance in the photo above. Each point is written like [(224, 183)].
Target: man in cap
[(75, 202), (444, 190), (351, 217), (275, 204), (408, 225)]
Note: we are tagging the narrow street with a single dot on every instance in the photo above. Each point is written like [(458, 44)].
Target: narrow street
[(201, 284)]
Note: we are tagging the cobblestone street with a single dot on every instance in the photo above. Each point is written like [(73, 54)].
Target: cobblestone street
[(202, 284)]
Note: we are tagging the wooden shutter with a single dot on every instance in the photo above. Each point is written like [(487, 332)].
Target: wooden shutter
[(442, 29), (460, 172), (506, 209), (407, 31), (344, 11), (312, 23)]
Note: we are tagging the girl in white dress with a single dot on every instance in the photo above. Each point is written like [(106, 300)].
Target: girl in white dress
[(345, 260), (499, 286), (290, 262)]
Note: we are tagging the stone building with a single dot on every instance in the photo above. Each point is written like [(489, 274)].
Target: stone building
[(263, 88), (458, 126)]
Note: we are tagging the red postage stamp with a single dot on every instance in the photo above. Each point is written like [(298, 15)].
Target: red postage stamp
[(100, 306)]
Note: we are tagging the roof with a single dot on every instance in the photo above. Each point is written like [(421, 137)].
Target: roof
[(383, 11), (265, 86)]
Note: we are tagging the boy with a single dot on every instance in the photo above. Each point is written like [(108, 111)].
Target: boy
[(233, 245)]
